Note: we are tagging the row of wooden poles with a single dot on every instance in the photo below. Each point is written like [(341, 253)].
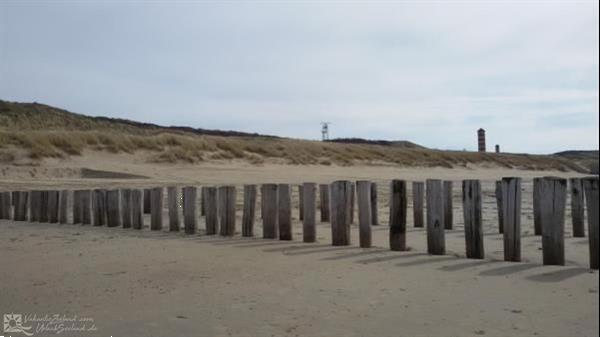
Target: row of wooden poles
[(126, 207)]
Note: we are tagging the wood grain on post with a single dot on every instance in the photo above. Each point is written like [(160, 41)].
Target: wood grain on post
[(284, 211), (86, 207), (436, 241), (499, 206), (590, 187), (365, 218), (537, 209), (309, 195), (325, 204), (511, 204), (99, 207), (137, 209), (227, 198), (5, 205), (472, 213), (300, 202), (173, 203), (340, 201), (44, 206), (398, 202), (448, 205), (211, 210), (35, 199), (147, 200), (156, 208), (126, 218), (577, 207), (63, 204), (53, 201), (202, 202), (418, 192), (21, 201), (76, 209), (113, 208), (374, 207), (190, 216), (352, 202), (269, 198), (249, 210), (553, 198)]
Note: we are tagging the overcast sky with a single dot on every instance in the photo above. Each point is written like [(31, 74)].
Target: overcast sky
[(429, 72)]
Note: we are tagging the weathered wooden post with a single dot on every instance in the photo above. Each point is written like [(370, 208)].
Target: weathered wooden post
[(284, 211), (269, 198), (300, 202), (173, 202), (553, 198), (35, 201), (398, 202), (86, 207), (126, 215), (147, 200), (211, 210), (418, 193), (363, 190), (53, 206), (43, 206), (352, 202), (63, 204), (190, 222), (590, 186), (577, 207), (227, 199), (341, 199), (537, 208), (99, 207), (137, 209), (436, 241), (472, 209), (309, 231), (20, 200), (113, 208), (249, 210), (76, 209), (5, 205), (156, 208), (374, 207), (511, 218), (202, 202), (448, 205), (325, 204), (499, 206)]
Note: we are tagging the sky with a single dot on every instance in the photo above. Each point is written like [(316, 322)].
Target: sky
[(431, 72)]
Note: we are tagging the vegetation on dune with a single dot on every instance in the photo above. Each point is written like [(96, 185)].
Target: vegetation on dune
[(41, 132)]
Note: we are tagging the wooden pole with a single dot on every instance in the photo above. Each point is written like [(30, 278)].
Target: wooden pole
[(553, 198), (436, 241), (448, 205), (113, 208), (35, 200), (590, 186), (21, 200), (284, 212), (99, 207), (147, 200), (76, 209), (269, 198), (44, 206), (309, 232), (126, 215), (202, 203), (472, 206), (156, 209), (499, 206), (173, 203), (137, 209), (211, 208), (227, 199), (300, 202), (249, 210), (365, 218), (577, 207), (511, 199), (418, 192), (374, 207), (190, 216), (325, 204), (63, 204), (53, 206), (86, 207), (340, 212), (398, 202), (5, 205), (537, 209), (352, 202)]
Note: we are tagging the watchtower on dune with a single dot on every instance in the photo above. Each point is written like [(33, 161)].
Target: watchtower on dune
[(481, 140)]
